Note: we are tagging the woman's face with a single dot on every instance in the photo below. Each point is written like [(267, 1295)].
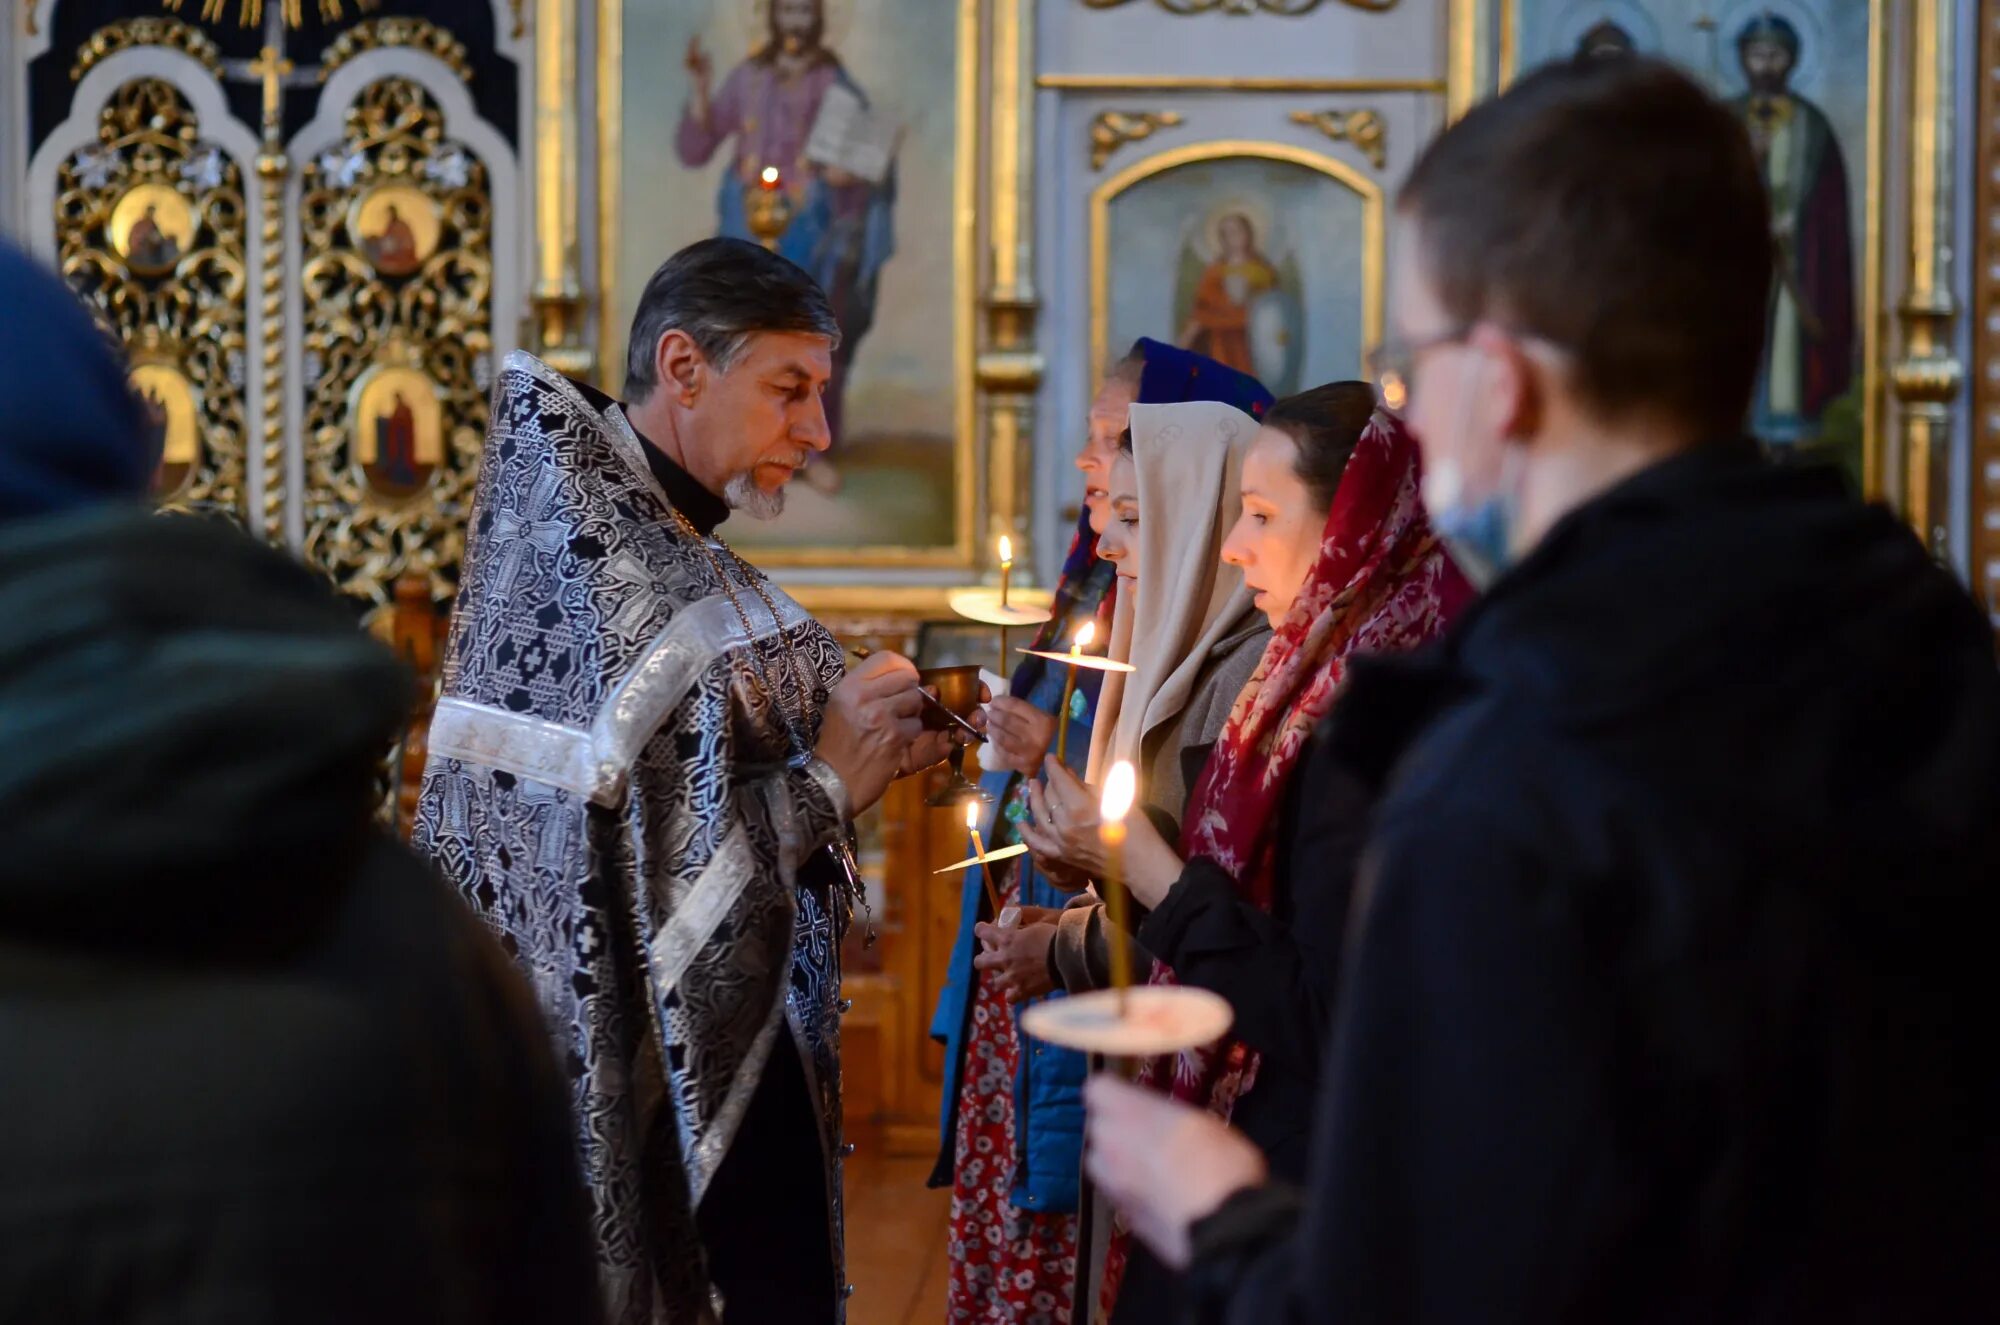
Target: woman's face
[(1119, 543), (1108, 415), (1277, 537)]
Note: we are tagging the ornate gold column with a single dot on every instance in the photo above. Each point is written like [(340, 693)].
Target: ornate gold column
[(558, 298), (1009, 368), (1928, 376), (272, 166)]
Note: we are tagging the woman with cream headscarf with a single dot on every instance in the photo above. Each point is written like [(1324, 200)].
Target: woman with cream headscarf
[(1184, 620)]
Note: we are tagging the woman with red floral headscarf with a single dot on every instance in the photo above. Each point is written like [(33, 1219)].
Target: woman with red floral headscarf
[(1224, 913)]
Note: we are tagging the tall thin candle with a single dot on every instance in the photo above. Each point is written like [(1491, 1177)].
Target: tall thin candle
[(978, 850), (1083, 638), (1120, 786)]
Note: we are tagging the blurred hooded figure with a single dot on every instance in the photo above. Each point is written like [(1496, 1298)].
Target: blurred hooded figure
[(261, 1065)]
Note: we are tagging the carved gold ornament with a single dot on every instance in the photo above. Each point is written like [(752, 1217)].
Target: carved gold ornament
[(1283, 8), (250, 13), (1113, 129), (150, 232), (1363, 128), (413, 33), (107, 41), (396, 224)]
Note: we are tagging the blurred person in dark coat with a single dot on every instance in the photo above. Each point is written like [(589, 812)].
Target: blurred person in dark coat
[(1670, 993), (260, 1065)]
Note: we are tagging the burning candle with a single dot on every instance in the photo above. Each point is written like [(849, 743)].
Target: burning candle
[(1006, 567), (979, 850), (1119, 788), (770, 179), (1083, 638)]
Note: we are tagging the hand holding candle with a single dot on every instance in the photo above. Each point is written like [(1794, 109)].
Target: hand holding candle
[(1119, 789)]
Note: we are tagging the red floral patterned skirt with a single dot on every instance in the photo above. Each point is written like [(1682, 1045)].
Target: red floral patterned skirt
[(1008, 1266)]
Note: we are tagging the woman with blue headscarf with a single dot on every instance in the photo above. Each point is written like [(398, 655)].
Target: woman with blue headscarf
[(1011, 1125)]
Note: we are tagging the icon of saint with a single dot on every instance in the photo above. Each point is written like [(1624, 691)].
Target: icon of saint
[(397, 465), (1810, 354), (393, 249), (1230, 288), (841, 229), (148, 247)]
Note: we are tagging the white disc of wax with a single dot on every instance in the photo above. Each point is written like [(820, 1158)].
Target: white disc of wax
[(1155, 1019)]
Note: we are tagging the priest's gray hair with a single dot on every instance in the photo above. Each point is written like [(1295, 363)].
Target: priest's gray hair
[(721, 292)]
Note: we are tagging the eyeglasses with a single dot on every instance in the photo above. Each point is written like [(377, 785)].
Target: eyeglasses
[(1392, 363)]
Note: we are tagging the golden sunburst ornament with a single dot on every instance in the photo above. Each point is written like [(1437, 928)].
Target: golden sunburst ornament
[(250, 13)]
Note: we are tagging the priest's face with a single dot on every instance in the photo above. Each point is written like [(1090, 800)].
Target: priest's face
[(1119, 542), (1109, 413), (758, 424)]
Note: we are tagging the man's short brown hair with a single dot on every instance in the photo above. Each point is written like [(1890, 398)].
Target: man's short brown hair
[(1614, 209)]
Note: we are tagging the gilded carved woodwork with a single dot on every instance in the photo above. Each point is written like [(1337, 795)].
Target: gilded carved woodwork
[(1363, 128), (396, 286), (1113, 129), (150, 232), (123, 35), (1283, 8), (250, 13), (414, 33)]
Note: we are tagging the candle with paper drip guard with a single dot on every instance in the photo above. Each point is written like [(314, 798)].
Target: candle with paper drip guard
[(979, 853), (1120, 786), (1076, 659), (1126, 1021), (988, 607), (1083, 637)]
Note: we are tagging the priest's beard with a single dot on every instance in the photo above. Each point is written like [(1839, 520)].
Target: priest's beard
[(743, 494)]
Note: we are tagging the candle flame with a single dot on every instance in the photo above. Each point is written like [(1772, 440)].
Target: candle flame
[(1006, 550), (972, 814), (1119, 789), (1086, 635), (770, 175)]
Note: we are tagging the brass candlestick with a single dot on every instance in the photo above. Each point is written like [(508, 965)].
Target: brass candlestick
[(767, 208)]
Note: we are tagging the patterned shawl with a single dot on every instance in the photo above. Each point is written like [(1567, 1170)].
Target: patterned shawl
[(1382, 584)]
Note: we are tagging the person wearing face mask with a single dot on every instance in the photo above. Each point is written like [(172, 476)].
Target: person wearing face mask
[(1668, 997), (1013, 1222), (1252, 900)]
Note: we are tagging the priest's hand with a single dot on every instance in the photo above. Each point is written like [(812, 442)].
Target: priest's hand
[(1165, 1165), (1017, 736), (872, 719), (1018, 954), (933, 747)]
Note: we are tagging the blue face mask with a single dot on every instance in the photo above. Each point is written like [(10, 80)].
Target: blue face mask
[(1478, 533), (1477, 538)]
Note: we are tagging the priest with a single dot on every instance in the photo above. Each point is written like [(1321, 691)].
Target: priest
[(643, 771)]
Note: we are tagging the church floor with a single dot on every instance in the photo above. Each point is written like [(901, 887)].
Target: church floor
[(895, 1238)]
